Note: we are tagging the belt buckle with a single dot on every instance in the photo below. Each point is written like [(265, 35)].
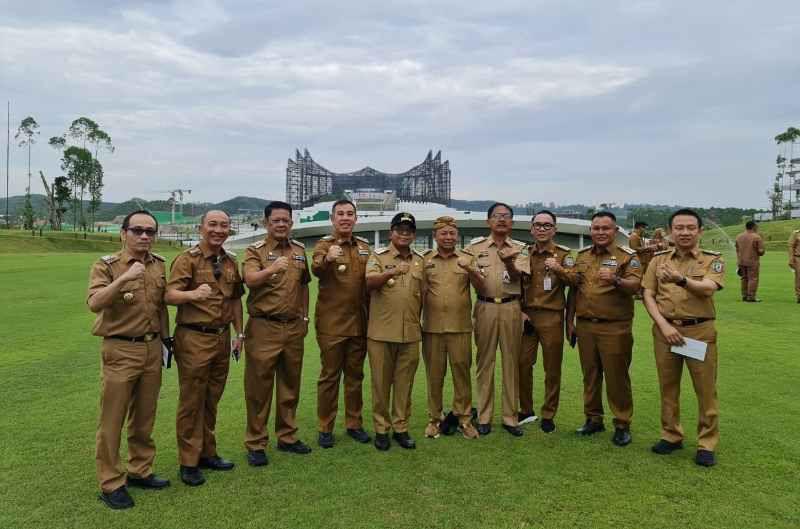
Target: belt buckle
[(498, 300), (149, 337), (678, 322), (595, 320), (220, 330)]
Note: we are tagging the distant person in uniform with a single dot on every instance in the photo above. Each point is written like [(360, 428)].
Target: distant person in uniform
[(659, 242), (794, 260), (679, 289), (636, 242), (605, 277), (340, 262), (447, 326), (126, 291), (749, 249), (396, 283), (497, 316), (276, 272), (543, 305), (205, 284)]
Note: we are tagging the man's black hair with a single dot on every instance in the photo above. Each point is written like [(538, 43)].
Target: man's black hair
[(544, 212), (276, 204), (127, 220), (497, 205), (689, 212), (640, 224), (751, 224), (608, 214), (340, 202)]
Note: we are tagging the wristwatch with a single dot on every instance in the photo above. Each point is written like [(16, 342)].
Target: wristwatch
[(682, 282), (617, 281)]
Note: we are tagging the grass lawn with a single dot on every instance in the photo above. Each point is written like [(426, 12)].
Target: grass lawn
[(49, 369)]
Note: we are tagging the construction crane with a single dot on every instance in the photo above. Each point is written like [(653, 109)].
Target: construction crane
[(176, 198)]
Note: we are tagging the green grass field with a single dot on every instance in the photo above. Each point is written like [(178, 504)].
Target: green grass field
[(49, 369)]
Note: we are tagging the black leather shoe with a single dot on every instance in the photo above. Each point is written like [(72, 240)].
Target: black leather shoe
[(664, 447), (590, 428), (705, 458), (191, 476), (621, 437), (382, 442), (257, 458), (215, 463), (325, 440), (359, 435), (547, 425), (150, 482), (404, 440), (516, 431), (117, 499), (484, 429), (297, 447)]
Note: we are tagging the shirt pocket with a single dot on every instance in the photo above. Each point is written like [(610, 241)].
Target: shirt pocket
[(133, 288)]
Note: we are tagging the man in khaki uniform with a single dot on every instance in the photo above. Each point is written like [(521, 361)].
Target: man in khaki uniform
[(447, 326), (396, 283), (794, 260), (543, 304), (497, 317), (605, 277), (126, 291), (637, 242), (749, 249), (679, 289), (276, 272), (205, 284), (340, 262)]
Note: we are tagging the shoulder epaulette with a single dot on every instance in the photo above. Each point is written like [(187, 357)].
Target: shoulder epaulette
[(797, 231), (661, 252), (108, 259), (298, 243), (426, 252), (159, 257), (565, 248), (258, 244), (381, 251), (477, 240), (362, 239), (520, 243), (194, 250), (711, 252), (628, 250), (230, 253), (420, 254), (585, 248), (467, 251), (327, 238)]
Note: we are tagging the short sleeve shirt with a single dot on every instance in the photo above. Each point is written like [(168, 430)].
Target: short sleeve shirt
[(595, 299), (676, 302), (544, 288), (282, 293), (497, 280), (448, 303)]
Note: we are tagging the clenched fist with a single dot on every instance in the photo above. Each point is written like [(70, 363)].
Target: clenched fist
[(334, 252), (508, 254), (606, 276), (202, 293), (281, 264), (134, 272), (464, 262)]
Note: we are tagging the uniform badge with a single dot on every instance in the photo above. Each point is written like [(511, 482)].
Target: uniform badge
[(569, 262), (271, 257), (390, 282), (610, 262), (717, 266), (341, 268), (299, 257), (363, 252), (635, 263), (127, 297), (506, 277)]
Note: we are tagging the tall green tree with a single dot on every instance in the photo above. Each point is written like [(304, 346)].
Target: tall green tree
[(78, 164), (61, 196), (95, 188), (26, 135)]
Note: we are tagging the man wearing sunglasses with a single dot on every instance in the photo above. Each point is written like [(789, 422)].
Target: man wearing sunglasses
[(205, 284), (276, 272), (543, 304), (126, 291)]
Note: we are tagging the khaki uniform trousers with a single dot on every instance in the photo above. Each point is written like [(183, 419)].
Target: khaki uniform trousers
[(340, 355), (498, 324), (437, 350), (203, 361), (130, 382), (797, 278), (273, 357), (704, 379), (606, 349), (392, 365), (749, 280), (549, 332)]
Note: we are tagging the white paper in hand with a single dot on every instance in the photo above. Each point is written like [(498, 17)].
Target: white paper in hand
[(693, 349), (166, 357)]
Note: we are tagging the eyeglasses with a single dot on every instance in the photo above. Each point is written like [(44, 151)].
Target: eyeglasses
[(501, 216), (216, 267), (136, 230), (543, 226)]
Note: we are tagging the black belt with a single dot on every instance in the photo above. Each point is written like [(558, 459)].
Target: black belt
[(688, 322), (203, 328), (149, 337), (597, 320), (498, 301), (283, 318)]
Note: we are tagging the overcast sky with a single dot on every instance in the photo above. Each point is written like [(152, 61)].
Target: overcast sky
[(649, 101)]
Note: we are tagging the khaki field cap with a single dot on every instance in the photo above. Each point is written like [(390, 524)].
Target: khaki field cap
[(441, 222)]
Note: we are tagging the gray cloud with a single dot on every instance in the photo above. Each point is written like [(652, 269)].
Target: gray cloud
[(564, 101)]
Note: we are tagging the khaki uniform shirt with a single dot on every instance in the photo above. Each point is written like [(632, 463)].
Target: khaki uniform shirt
[(596, 300), (282, 294), (342, 299), (448, 302), (676, 302), (137, 308), (394, 310), (195, 267), (794, 247), (749, 247), (498, 283), (536, 296)]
